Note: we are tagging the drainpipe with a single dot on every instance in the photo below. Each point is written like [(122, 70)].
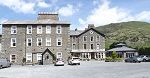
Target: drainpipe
[(25, 44)]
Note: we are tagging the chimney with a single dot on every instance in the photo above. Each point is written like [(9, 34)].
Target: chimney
[(90, 26), (76, 29), (86, 28), (48, 15)]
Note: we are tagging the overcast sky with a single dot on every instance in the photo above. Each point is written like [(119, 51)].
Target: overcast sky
[(78, 12)]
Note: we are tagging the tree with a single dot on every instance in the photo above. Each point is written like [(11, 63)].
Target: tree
[(114, 55)]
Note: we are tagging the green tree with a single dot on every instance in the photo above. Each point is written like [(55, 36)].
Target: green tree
[(114, 55)]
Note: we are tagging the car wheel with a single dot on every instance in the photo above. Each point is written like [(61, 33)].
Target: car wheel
[(144, 60), (79, 64), (1, 67)]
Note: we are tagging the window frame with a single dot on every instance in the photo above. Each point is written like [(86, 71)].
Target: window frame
[(48, 31), (39, 31), (29, 31), (92, 38), (57, 29), (28, 55), (97, 38), (97, 46), (91, 47), (85, 38), (11, 60), (39, 55), (73, 46), (48, 41), (39, 41), (13, 42), (59, 38), (57, 55), (12, 29), (28, 41), (84, 46)]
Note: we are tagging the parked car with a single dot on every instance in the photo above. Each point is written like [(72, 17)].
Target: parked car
[(145, 58), (59, 62), (4, 63), (134, 59), (74, 61)]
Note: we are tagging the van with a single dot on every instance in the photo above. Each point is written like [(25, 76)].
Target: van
[(4, 63)]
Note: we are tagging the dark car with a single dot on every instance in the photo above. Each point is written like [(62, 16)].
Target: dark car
[(134, 59), (145, 58)]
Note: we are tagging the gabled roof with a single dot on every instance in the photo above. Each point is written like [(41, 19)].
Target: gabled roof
[(93, 30), (47, 50), (121, 49)]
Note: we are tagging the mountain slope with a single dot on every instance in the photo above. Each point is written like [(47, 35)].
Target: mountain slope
[(136, 34)]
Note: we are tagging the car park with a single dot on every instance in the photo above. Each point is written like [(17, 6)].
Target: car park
[(4, 63), (74, 61), (134, 59), (59, 62)]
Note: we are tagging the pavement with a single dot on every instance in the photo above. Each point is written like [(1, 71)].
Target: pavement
[(87, 69)]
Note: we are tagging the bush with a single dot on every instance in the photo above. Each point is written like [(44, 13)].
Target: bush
[(110, 59)]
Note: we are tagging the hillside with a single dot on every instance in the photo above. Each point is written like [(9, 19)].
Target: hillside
[(136, 34)]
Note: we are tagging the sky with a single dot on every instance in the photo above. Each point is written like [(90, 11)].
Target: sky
[(79, 13)]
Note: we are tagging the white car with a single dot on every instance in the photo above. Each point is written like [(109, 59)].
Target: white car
[(4, 63), (59, 62), (74, 61)]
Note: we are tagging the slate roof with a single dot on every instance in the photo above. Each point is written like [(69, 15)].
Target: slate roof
[(93, 30), (80, 32), (75, 33), (45, 21), (120, 49)]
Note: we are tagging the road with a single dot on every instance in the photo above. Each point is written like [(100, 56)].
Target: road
[(89, 69)]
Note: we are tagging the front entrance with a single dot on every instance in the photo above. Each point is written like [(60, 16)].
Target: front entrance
[(48, 57), (92, 55)]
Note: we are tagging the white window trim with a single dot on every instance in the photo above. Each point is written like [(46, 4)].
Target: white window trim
[(73, 47), (57, 29), (85, 37), (97, 38), (28, 54), (83, 46), (38, 41), (11, 57), (60, 55), (48, 31), (28, 42), (39, 31), (29, 29), (12, 42), (39, 55), (13, 29), (93, 38), (97, 46), (48, 41), (91, 47), (58, 41)]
